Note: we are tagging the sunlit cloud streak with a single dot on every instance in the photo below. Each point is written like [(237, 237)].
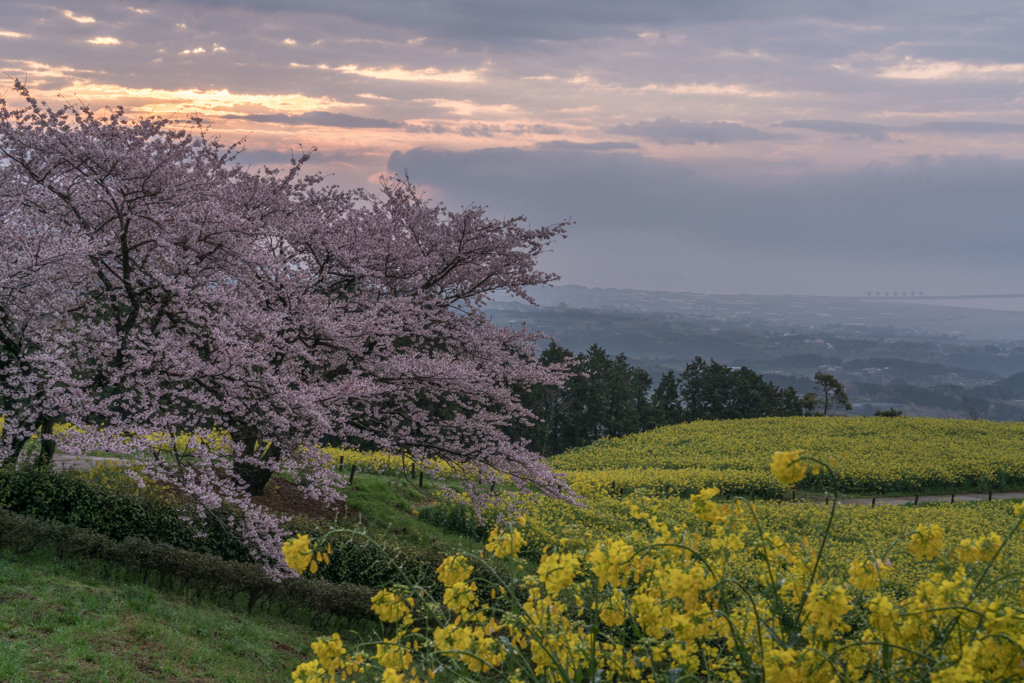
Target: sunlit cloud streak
[(317, 118)]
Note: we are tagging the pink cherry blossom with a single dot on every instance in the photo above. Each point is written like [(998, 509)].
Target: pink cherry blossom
[(149, 283)]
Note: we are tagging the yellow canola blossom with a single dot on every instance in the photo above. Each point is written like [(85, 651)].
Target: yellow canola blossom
[(788, 467), (927, 541), (674, 610), (504, 544), (390, 608), (302, 556), (877, 455), (455, 569)]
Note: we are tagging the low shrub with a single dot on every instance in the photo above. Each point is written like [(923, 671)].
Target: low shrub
[(456, 518), (362, 560), (201, 573), (110, 503)]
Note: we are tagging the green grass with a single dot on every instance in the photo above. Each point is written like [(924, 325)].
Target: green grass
[(70, 620), (73, 621), (388, 505)]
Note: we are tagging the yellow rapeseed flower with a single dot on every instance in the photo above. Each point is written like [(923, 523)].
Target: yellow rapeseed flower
[(504, 544), (787, 467), (454, 569), (298, 554), (926, 541)]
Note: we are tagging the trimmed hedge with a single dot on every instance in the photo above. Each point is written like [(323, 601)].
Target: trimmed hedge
[(111, 504), (377, 564), (115, 507), (201, 573)]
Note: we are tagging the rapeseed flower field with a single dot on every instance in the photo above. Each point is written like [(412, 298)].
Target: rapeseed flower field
[(650, 581), (872, 455)]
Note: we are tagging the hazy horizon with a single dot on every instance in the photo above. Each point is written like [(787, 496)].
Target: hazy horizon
[(992, 301)]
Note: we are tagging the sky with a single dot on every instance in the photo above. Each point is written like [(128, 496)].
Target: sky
[(721, 146)]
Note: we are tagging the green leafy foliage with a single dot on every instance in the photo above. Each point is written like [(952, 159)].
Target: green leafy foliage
[(606, 397), (114, 506), (713, 391), (456, 518), (175, 568)]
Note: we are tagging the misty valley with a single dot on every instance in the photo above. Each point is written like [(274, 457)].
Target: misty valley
[(924, 360)]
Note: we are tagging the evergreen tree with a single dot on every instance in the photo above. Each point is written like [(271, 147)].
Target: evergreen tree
[(713, 391), (666, 403)]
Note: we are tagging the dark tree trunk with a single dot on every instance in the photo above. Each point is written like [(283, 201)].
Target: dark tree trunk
[(254, 475), (16, 447), (47, 446)]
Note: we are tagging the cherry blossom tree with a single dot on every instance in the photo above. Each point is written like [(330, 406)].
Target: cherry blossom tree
[(151, 284)]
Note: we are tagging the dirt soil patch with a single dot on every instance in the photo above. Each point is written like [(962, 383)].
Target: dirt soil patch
[(287, 498)]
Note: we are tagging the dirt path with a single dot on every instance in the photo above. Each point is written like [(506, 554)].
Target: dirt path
[(915, 500), (63, 461)]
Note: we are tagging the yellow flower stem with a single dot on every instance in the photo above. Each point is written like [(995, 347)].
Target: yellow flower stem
[(824, 535), (767, 560), (696, 554), (757, 622)]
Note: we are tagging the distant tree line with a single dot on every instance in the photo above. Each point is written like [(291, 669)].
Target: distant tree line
[(606, 396)]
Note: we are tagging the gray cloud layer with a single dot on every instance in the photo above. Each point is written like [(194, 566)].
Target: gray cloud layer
[(667, 131), (878, 132), (933, 224)]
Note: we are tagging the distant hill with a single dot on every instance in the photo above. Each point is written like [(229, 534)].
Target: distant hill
[(891, 354), (901, 315), (1012, 386), (917, 372)]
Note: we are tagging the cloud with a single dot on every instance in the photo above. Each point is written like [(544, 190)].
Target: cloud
[(592, 146), (736, 89), (13, 34), (397, 73), (484, 130), (869, 131), (79, 19), (939, 70), (318, 118), (969, 127), (104, 40), (667, 131), (940, 224), (881, 133)]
